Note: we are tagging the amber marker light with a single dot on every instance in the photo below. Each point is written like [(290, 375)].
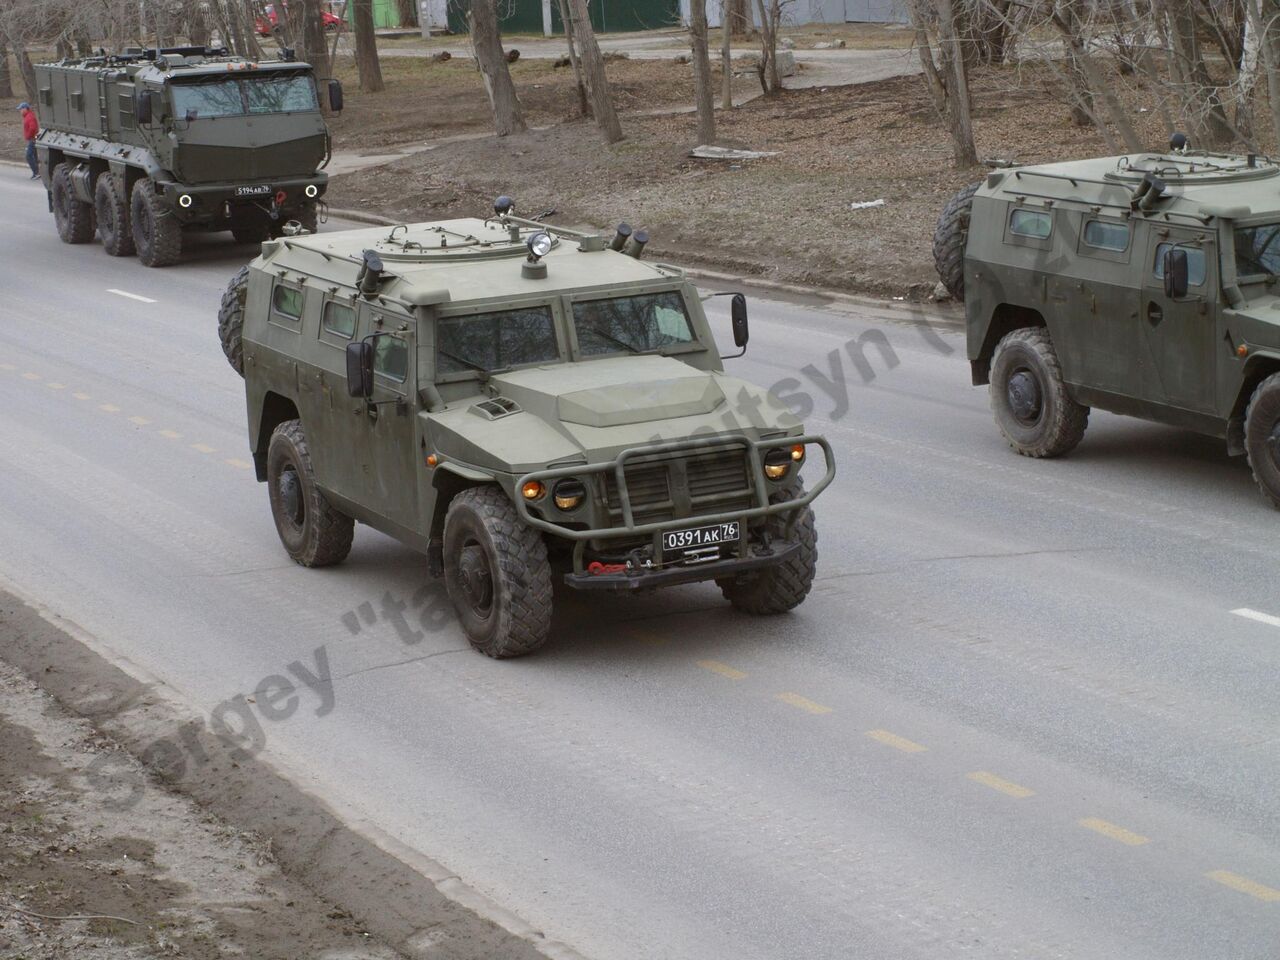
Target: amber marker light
[(532, 489), (1242, 350), (432, 459), (797, 452)]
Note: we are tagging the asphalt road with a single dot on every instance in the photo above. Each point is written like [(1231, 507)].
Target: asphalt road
[(1020, 715)]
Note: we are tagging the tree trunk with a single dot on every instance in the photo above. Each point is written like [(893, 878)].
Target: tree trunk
[(770, 14), (407, 13), (726, 55), (593, 70), (1067, 20), (1250, 57), (1211, 116), (314, 47), (6, 76), (584, 108), (739, 18), (507, 117), (960, 113), (28, 72), (1270, 61), (367, 65), (704, 98)]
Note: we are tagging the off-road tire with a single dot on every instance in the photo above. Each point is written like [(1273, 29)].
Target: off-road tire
[(949, 239), (316, 534), (309, 216), (1058, 423), (157, 234), (518, 618), (231, 319), (1261, 422), (112, 214), (782, 587), (73, 217)]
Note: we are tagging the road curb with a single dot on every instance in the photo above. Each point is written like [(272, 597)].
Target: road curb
[(399, 894), (941, 316)]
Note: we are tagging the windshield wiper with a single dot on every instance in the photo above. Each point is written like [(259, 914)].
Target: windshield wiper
[(612, 339), (485, 371)]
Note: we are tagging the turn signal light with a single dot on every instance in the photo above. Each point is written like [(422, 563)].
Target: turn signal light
[(533, 490), (1242, 350), (797, 452), (432, 459)]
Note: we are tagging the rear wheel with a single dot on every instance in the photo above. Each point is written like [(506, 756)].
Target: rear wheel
[(1032, 407), (313, 531), (497, 574), (783, 587), (73, 217), (1262, 437), (157, 234), (113, 217)]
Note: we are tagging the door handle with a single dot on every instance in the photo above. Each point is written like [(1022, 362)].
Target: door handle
[(1155, 313)]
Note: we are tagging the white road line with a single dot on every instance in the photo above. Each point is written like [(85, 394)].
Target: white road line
[(1257, 615), (131, 296)]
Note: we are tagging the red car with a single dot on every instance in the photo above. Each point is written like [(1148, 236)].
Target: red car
[(265, 25)]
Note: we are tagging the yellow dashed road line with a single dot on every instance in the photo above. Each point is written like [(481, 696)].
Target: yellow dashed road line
[(1119, 834), (239, 464), (140, 421), (897, 742), (1004, 786), (7, 366), (82, 396), (30, 376), (715, 666), (108, 407), (201, 448), (1245, 885), (170, 434), (56, 386), (795, 700)]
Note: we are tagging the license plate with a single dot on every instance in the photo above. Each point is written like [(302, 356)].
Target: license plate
[(696, 537), (257, 190)]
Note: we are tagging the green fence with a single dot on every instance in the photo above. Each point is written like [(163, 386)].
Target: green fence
[(607, 16)]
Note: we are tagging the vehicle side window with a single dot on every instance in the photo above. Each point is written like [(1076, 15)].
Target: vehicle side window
[(391, 358), (1258, 250), (287, 301), (1196, 269), (1037, 224), (339, 319), (1106, 236)]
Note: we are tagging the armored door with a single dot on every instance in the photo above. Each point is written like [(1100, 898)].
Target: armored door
[(1179, 333)]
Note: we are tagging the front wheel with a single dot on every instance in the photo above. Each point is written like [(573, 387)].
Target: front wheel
[(312, 530), (784, 586), (1262, 437), (113, 217), (497, 574), (1032, 407), (157, 234)]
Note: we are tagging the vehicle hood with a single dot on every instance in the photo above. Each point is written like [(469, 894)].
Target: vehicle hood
[(591, 411)]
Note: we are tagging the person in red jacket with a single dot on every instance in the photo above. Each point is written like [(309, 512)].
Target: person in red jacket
[(30, 127)]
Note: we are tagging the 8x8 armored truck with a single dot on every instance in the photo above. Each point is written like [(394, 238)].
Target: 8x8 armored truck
[(1143, 284), (516, 401), (144, 146)]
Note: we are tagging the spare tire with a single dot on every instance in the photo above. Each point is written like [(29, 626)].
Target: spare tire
[(949, 240), (231, 319)]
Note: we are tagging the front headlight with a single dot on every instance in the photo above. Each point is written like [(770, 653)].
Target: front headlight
[(569, 493), (777, 463)]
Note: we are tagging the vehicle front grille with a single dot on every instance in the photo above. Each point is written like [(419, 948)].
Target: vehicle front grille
[(695, 485)]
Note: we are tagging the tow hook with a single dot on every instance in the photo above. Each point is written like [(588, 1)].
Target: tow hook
[(596, 568)]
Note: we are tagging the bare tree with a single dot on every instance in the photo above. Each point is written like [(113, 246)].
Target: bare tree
[(770, 16), (726, 55), (1202, 101), (314, 47), (584, 108), (492, 61), (702, 94), (1066, 17), (6, 77), (945, 74), (593, 72), (407, 13), (367, 65)]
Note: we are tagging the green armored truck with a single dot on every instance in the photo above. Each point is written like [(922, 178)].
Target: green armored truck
[(147, 145), (518, 401), (1144, 285)]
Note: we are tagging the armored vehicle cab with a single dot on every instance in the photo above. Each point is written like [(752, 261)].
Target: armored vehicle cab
[(1143, 285), (144, 146), (516, 400)]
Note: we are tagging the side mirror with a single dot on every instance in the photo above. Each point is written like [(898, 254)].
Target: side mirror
[(335, 96), (738, 317), (1175, 273), (360, 369), (142, 104)]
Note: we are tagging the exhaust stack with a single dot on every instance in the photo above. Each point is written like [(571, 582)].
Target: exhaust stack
[(635, 246)]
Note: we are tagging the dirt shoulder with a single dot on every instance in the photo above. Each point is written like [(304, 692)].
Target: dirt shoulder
[(201, 851)]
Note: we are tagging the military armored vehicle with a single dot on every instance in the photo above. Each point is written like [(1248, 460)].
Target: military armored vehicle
[(517, 401), (1144, 285), (144, 146)]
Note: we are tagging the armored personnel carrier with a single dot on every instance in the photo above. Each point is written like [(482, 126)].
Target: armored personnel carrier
[(145, 146), (1143, 284), (517, 401)]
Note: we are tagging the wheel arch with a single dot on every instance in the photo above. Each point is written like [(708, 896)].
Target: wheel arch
[(1005, 318), (1256, 369), (276, 409)]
